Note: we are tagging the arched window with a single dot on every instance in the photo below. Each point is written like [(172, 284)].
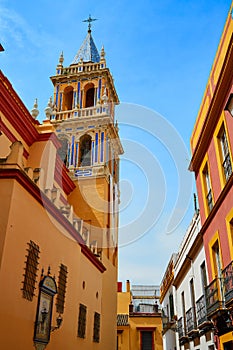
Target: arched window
[(63, 150), (85, 150), (90, 95), (67, 104)]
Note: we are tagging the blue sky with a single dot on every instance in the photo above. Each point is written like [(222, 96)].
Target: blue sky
[(160, 54)]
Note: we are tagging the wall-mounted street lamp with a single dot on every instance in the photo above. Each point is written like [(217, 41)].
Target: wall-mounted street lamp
[(43, 327), (59, 320), (228, 321), (229, 105)]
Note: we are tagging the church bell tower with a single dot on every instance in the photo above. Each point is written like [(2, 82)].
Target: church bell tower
[(83, 117)]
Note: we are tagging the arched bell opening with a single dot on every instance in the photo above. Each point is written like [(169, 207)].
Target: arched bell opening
[(85, 150), (63, 150), (89, 95), (67, 104)]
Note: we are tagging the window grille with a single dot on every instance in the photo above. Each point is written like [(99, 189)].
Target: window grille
[(96, 329), (82, 321), (31, 263), (61, 290)]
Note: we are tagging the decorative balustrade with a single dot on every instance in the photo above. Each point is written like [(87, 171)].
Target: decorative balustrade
[(76, 69), (191, 319), (105, 110), (228, 283), (214, 298)]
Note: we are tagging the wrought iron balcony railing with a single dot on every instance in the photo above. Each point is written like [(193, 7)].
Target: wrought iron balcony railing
[(181, 330), (191, 319), (214, 297), (201, 310), (228, 283)]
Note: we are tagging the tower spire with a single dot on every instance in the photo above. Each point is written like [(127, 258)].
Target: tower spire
[(89, 20)]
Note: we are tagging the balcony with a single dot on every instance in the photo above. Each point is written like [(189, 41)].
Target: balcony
[(228, 284), (168, 324), (105, 110), (214, 299), (191, 319), (202, 321), (183, 337)]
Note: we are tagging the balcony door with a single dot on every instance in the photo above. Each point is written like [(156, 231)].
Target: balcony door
[(147, 340)]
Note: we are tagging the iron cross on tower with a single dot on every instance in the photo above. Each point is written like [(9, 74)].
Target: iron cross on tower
[(89, 20)]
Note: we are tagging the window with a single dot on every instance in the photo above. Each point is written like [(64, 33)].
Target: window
[(61, 290), (216, 259), (82, 321), (184, 312), (192, 293), (225, 155), (96, 329), (171, 306), (147, 340), (203, 277), (31, 263), (208, 191)]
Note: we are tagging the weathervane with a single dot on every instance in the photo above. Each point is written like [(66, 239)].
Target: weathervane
[(89, 20)]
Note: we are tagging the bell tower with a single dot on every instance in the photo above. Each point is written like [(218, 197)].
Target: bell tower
[(83, 117)]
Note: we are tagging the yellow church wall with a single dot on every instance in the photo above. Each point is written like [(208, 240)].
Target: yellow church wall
[(89, 199), (29, 221), (6, 190), (43, 155)]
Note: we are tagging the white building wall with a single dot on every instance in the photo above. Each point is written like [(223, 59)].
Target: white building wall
[(193, 272)]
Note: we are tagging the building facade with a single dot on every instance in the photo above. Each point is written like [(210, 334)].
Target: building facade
[(212, 145), (139, 324), (168, 302), (59, 219), (195, 330), (185, 321)]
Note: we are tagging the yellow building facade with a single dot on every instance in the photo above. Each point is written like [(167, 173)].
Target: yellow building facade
[(137, 330), (59, 211)]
